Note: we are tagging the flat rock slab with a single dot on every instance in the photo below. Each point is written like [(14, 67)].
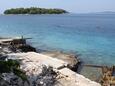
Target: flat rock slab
[(9, 39), (32, 64), (39, 58), (73, 79), (71, 59)]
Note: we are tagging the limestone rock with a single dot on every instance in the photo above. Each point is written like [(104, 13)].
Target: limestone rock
[(71, 59), (70, 78), (33, 64)]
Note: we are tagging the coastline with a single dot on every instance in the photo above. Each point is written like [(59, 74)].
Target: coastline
[(33, 14), (62, 68)]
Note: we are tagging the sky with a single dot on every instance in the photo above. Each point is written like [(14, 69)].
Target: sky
[(74, 6)]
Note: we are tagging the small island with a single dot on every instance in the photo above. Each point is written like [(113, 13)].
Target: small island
[(34, 10)]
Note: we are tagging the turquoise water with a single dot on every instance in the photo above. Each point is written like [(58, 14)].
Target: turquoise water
[(91, 35)]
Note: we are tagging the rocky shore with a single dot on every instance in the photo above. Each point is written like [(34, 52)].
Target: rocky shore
[(70, 58), (39, 69)]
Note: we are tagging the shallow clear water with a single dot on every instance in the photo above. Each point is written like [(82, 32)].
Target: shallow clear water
[(91, 35)]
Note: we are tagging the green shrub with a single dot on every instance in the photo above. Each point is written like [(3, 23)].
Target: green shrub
[(12, 66)]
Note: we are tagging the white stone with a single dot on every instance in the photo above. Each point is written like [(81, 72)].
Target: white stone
[(32, 64)]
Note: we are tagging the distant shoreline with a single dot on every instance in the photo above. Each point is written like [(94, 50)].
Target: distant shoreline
[(64, 13), (34, 14)]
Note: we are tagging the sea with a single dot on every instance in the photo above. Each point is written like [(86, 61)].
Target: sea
[(91, 36)]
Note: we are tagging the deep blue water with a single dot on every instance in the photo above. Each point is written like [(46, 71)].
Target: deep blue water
[(91, 35)]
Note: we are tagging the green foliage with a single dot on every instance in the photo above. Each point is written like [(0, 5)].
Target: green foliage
[(7, 66), (34, 10), (12, 66), (20, 74)]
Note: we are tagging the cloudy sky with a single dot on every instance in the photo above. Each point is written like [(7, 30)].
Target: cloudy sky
[(74, 6)]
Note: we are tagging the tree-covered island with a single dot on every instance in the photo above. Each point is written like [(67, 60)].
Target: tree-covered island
[(34, 10)]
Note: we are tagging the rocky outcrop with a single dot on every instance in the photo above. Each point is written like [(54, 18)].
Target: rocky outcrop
[(33, 64), (71, 59), (46, 69), (9, 45), (70, 78), (10, 79)]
